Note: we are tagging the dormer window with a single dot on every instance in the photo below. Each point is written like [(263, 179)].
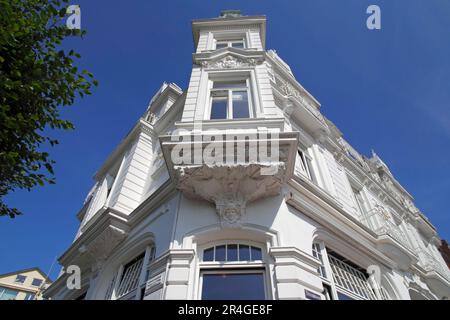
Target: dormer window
[(237, 43), (230, 100)]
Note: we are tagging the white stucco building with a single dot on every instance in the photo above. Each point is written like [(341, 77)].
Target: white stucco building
[(310, 219)]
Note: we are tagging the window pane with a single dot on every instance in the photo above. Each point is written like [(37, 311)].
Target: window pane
[(240, 105), (219, 108), (232, 254), (302, 160), (29, 296), (229, 84), (244, 252), (36, 282), (7, 294), (220, 45), (220, 253), (256, 254), (223, 286), (342, 296), (239, 45), (20, 278), (208, 254)]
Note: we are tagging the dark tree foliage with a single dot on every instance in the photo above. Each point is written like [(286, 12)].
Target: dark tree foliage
[(36, 79)]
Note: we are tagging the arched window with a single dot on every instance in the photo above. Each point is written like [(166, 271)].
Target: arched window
[(227, 266), (232, 252)]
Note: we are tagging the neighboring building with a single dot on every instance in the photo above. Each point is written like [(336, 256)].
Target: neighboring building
[(445, 252), (311, 219), (26, 284)]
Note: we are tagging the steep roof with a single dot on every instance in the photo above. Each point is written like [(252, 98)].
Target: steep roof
[(26, 270)]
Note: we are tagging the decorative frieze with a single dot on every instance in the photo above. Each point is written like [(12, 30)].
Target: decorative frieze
[(230, 62)]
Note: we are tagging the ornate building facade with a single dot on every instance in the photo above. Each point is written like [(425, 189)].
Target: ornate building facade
[(239, 188)]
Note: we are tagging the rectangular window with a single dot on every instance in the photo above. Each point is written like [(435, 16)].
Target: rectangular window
[(237, 43), (36, 282), (305, 165), (317, 253), (230, 100), (29, 296), (20, 278), (359, 200), (233, 285), (8, 294)]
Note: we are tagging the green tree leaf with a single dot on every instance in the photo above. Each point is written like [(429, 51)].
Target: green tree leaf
[(37, 78)]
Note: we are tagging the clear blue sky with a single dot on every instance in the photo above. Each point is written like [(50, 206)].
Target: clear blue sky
[(388, 90)]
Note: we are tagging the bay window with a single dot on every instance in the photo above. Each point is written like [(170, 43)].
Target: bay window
[(230, 100)]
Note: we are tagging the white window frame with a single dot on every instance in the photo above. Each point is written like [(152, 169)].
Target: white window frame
[(361, 205), (240, 267), (229, 42), (229, 95), (306, 165), (229, 36), (330, 278), (113, 287), (317, 251)]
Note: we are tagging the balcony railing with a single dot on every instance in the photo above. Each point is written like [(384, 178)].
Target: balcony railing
[(429, 263), (379, 222)]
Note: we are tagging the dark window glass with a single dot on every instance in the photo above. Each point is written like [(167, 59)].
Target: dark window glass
[(232, 254), (239, 45), (240, 105), (327, 292), (256, 253), (29, 296), (81, 296), (20, 278), (223, 286), (342, 296), (244, 252), (220, 45), (219, 108), (208, 254), (302, 159), (36, 282), (220, 253)]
